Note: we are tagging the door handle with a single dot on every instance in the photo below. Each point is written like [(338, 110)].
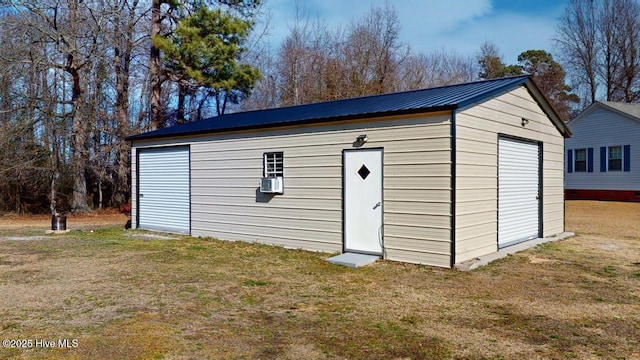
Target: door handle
[(377, 205)]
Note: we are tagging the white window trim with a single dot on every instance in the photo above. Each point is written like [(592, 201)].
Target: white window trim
[(575, 160), (276, 160), (621, 158)]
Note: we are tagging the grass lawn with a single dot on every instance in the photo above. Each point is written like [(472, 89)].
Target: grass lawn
[(138, 295)]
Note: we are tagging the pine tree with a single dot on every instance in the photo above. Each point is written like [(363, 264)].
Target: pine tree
[(550, 78), (204, 52)]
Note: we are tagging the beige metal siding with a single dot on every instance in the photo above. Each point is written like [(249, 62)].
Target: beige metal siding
[(226, 169), (477, 130)]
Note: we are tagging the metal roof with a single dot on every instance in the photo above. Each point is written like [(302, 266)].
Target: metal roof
[(427, 100)]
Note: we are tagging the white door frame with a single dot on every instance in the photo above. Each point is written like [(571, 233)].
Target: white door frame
[(362, 201)]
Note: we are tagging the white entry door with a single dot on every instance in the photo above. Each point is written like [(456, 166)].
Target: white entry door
[(518, 191), (363, 201)]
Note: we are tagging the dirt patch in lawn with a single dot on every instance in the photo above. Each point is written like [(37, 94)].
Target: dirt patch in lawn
[(102, 218), (126, 295)]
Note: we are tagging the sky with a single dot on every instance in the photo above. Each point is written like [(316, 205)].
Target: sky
[(431, 25)]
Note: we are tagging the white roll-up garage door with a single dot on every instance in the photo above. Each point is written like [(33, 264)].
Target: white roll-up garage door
[(518, 191), (163, 189)]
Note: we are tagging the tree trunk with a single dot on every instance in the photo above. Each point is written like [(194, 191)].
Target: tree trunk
[(100, 195), (157, 110), (52, 195), (78, 164), (79, 198), (79, 133), (182, 97), (122, 61), (124, 36)]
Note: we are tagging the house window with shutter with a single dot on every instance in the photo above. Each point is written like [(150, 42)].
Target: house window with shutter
[(580, 160), (615, 158), (580, 164)]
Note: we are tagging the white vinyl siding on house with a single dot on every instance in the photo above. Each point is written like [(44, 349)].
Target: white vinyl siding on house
[(603, 130), (226, 170), (477, 132)]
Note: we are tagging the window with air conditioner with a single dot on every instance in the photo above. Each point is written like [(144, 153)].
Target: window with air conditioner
[(273, 164), (272, 171)]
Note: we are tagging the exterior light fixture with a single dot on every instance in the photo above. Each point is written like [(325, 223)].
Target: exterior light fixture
[(360, 140), (524, 122)]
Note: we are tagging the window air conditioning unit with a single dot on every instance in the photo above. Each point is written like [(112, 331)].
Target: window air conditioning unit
[(271, 185)]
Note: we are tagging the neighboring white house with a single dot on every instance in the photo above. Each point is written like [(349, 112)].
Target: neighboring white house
[(603, 155), (436, 176)]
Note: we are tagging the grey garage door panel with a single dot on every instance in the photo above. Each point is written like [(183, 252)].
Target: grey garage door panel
[(163, 189)]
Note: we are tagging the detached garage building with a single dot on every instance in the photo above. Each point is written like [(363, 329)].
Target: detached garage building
[(436, 176)]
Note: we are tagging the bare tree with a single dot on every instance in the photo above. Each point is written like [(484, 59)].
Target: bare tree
[(577, 40), (125, 30), (24, 169), (299, 63), (316, 63), (598, 40), (72, 29), (437, 68), (266, 94), (73, 90), (627, 44), (491, 63), (156, 76), (373, 53)]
